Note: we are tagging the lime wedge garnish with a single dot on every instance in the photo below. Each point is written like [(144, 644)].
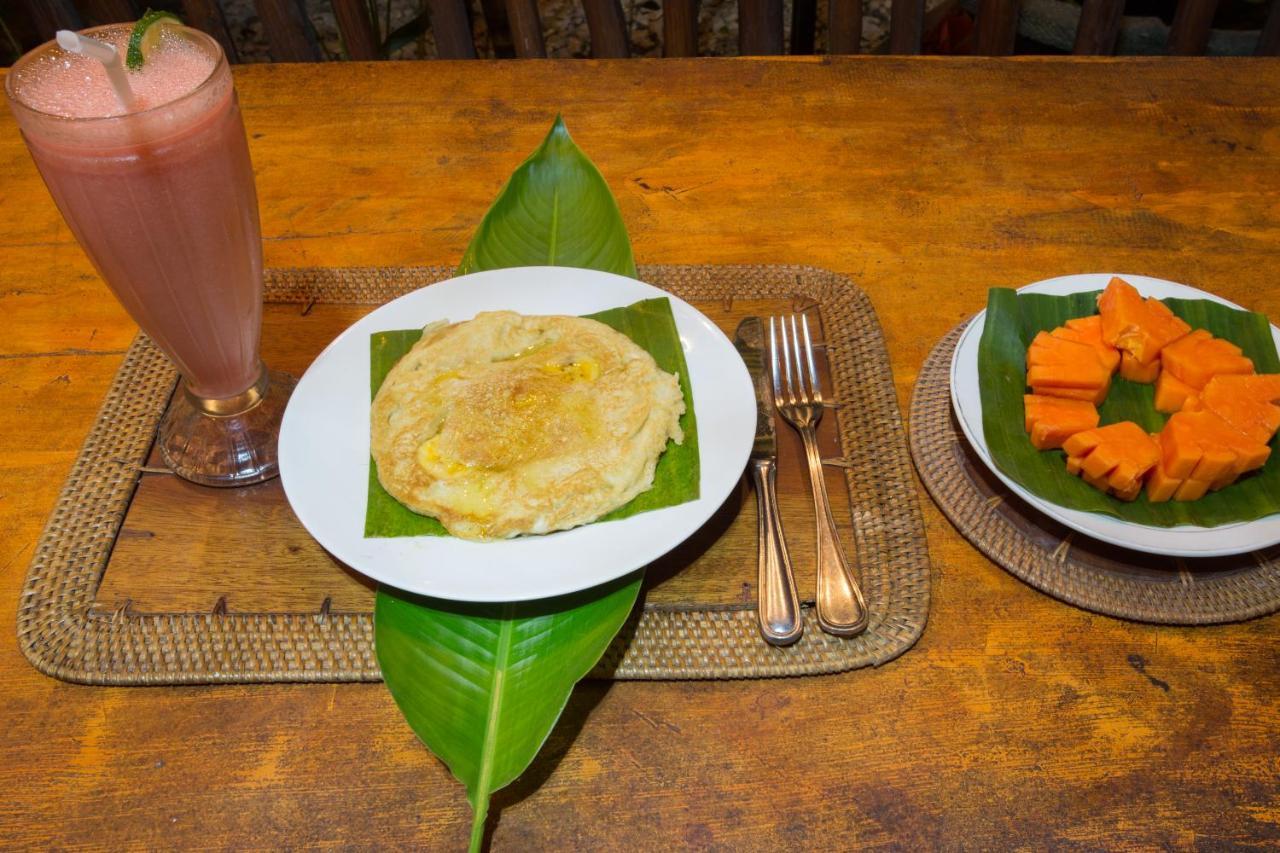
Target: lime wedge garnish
[(146, 35)]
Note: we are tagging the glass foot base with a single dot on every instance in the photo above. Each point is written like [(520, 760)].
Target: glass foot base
[(226, 442)]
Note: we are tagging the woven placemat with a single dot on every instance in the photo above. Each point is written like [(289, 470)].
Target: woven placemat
[(1055, 559), (65, 637)]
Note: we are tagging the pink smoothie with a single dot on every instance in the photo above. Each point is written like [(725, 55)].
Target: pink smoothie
[(160, 195)]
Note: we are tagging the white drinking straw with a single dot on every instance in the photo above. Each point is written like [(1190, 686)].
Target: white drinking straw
[(104, 53)]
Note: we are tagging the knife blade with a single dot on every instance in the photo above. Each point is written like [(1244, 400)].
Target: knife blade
[(778, 604), (749, 341)]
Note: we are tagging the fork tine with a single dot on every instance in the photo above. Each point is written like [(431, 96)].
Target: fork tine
[(813, 369), (785, 346), (773, 362), (803, 389)]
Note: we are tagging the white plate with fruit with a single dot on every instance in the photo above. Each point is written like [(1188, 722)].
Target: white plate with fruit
[(1179, 541)]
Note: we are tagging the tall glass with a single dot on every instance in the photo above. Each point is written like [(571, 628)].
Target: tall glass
[(162, 201)]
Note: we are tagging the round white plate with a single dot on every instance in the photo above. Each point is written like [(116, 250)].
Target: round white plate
[(324, 447), (1181, 541)]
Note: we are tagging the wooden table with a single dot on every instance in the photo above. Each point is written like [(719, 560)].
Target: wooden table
[(1015, 718)]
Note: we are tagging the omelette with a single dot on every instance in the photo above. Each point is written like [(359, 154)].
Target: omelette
[(509, 424)]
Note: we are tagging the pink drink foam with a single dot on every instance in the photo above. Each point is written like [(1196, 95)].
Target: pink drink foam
[(73, 86)]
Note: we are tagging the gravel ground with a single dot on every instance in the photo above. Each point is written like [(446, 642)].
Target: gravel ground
[(563, 21)]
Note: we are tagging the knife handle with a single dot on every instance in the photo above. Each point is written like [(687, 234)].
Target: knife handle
[(778, 605), (842, 611)]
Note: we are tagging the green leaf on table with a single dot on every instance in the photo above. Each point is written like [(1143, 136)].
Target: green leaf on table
[(383, 514), (555, 210), (483, 685), (676, 480), (1011, 322)]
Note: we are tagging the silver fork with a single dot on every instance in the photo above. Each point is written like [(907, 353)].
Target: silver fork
[(796, 392)]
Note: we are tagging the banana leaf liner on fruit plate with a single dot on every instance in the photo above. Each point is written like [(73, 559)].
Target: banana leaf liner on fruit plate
[(1014, 319)]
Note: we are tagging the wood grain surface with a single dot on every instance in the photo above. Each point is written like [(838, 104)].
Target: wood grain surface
[(1015, 720)]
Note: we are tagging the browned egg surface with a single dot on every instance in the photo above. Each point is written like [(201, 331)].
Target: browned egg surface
[(508, 424)]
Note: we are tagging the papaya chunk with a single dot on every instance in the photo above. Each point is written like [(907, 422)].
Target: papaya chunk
[(1200, 446), (1114, 458), (1088, 330), (1136, 371), (1123, 311), (1191, 490), (1248, 403), (1160, 486), (1067, 376), (1198, 357), (1052, 420), (1046, 349), (1217, 433), (1171, 393), (1165, 326), (1092, 395), (1140, 327), (1214, 465), (1180, 451), (1060, 363), (1128, 493), (1186, 469)]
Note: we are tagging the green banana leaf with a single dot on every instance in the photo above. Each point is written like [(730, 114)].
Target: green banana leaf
[(383, 514), (676, 480), (483, 685), (555, 210), (1013, 319)]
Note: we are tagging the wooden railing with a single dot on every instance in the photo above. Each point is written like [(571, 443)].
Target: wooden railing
[(515, 26)]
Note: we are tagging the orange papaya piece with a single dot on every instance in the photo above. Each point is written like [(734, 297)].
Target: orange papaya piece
[(1214, 430), (1091, 376), (1140, 327), (1248, 403), (1114, 458), (1198, 357), (1180, 449), (1091, 395), (1122, 311), (1171, 393), (1164, 327), (1052, 420), (1135, 371), (1191, 490), (1088, 330), (1160, 486), (1202, 446)]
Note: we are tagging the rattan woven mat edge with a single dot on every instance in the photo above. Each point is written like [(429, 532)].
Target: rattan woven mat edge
[(63, 637), (1057, 561)]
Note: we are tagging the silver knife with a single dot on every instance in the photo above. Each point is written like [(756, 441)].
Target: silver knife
[(778, 605)]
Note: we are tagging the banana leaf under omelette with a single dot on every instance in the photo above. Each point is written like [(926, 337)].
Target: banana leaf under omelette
[(677, 478), (1013, 320)]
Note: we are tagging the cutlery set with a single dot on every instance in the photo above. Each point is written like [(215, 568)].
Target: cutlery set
[(789, 383)]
